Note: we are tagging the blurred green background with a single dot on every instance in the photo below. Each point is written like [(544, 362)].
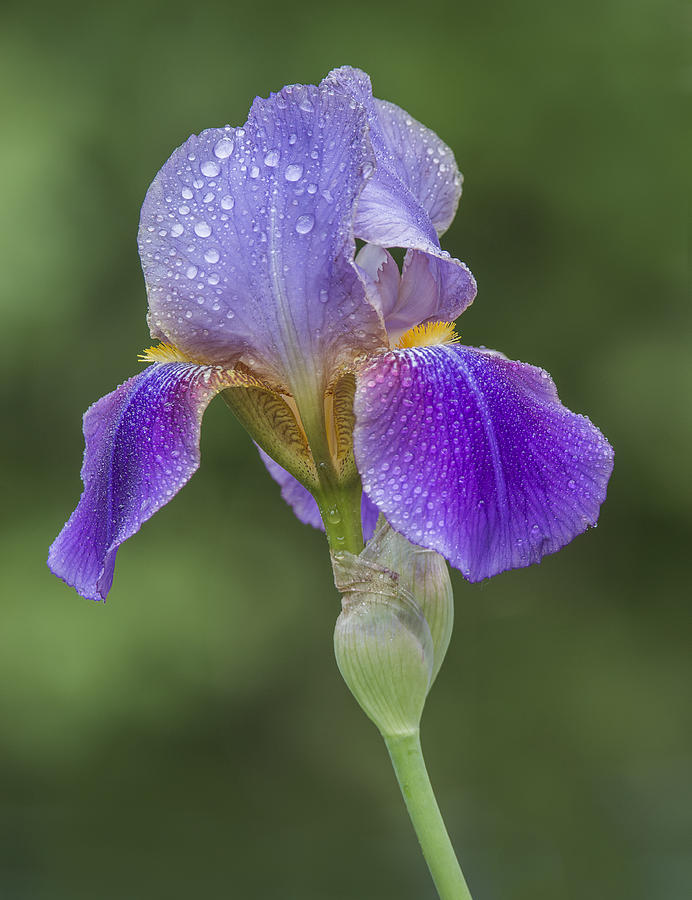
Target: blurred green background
[(192, 737)]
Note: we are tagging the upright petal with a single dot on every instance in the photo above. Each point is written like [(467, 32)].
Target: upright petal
[(142, 446), (414, 192), (474, 456), (246, 239), (420, 163), (303, 503), (381, 275)]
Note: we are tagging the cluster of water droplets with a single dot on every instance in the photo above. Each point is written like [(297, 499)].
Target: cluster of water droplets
[(475, 457), (218, 232)]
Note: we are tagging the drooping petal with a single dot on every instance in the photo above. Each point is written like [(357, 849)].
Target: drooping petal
[(303, 503), (246, 239), (420, 163), (474, 456), (142, 446), (298, 497)]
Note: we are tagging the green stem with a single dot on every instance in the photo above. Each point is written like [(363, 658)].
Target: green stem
[(338, 501), (407, 758)]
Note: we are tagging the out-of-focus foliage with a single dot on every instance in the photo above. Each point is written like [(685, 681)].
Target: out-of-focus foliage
[(192, 737)]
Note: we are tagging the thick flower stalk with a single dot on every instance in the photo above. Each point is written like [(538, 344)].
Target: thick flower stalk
[(346, 370)]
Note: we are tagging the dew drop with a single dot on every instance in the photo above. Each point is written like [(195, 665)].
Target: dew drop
[(209, 168), (202, 229), (176, 229), (212, 256), (254, 172), (227, 202), (324, 295), (186, 193), (272, 159), (293, 172), (191, 271), (222, 149), (304, 224)]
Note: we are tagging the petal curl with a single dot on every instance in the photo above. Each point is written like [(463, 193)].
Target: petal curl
[(142, 446), (303, 503), (426, 291), (413, 193), (246, 239), (411, 158), (474, 456)]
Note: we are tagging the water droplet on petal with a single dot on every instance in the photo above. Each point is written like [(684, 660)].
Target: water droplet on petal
[(212, 256), (304, 224), (293, 172), (227, 202), (223, 148), (186, 193), (191, 271), (202, 229), (176, 229), (272, 158), (209, 168)]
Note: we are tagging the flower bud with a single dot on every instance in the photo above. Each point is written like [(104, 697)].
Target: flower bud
[(425, 575), (383, 645)]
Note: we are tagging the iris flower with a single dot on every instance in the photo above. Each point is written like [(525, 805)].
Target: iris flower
[(346, 371)]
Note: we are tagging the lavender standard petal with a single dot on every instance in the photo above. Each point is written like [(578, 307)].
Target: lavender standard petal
[(246, 239), (414, 155), (413, 193), (474, 456), (381, 275), (303, 503), (142, 446)]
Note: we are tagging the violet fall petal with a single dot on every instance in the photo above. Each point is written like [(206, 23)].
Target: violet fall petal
[(246, 239), (303, 503), (142, 446), (474, 456)]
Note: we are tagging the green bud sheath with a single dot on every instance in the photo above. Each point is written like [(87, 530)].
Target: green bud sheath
[(384, 651), (426, 576)]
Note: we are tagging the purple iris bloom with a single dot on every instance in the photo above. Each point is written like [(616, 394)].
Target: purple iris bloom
[(336, 360)]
